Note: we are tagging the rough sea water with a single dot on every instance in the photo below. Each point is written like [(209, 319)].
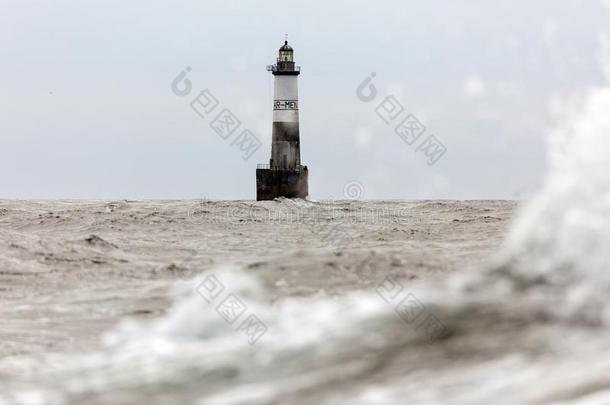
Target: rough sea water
[(116, 302), (304, 302)]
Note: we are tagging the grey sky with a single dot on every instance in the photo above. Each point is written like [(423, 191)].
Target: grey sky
[(87, 110)]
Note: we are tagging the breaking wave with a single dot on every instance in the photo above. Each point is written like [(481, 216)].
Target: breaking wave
[(561, 238)]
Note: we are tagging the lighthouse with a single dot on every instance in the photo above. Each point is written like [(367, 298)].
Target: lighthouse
[(284, 176)]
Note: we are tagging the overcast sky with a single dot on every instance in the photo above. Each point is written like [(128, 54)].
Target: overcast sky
[(87, 110)]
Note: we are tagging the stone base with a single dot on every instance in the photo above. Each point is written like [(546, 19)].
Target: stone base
[(273, 183)]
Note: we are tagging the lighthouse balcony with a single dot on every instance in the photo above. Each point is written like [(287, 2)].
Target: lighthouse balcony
[(284, 68), (267, 166)]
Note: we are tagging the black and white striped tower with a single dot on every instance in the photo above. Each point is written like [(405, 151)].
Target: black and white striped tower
[(284, 176)]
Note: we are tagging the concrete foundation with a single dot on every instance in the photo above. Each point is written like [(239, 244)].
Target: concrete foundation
[(274, 183)]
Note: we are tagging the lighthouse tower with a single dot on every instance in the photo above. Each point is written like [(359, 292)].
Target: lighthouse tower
[(284, 176)]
